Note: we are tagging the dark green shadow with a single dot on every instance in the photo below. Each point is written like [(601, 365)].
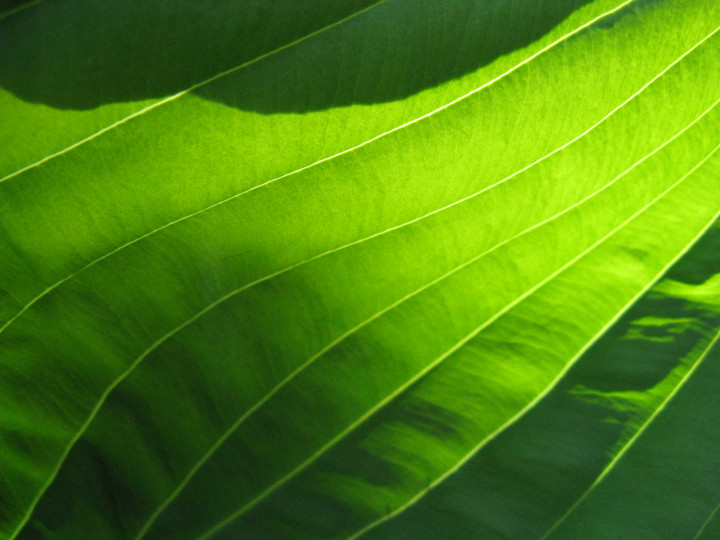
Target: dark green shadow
[(80, 54), (520, 484)]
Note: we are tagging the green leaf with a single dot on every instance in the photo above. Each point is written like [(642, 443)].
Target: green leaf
[(644, 375), (314, 270)]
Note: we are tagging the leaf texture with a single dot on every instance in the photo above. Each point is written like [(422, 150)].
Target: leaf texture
[(355, 268)]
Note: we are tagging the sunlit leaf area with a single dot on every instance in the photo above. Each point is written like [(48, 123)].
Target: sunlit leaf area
[(379, 269)]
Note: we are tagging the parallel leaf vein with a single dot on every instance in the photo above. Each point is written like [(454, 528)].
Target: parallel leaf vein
[(531, 405), (627, 446), (423, 373), (302, 367), (182, 93), (296, 171), (126, 373)]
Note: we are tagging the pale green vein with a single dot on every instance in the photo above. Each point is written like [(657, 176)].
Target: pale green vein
[(707, 522), (211, 451), (207, 81), (570, 364), (610, 466), (211, 306), (381, 135), (20, 8), (296, 171), (190, 89), (315, 456)]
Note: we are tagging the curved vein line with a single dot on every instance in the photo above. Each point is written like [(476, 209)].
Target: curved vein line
[(142, 111), (707, 522), (297, 371), (381, 135), (448, 353), (20, 8), (568, 366), (610, 466), (192, 88), (211, 306), (237, 195)]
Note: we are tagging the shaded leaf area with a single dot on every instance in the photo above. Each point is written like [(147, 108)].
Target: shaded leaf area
[(287, 56), (711, 527), (523, 482), (671, 474), (80, 54), (183, 352), (86, 54), (9, 7)]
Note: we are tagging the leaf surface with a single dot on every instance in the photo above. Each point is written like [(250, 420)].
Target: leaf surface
[(648, 368), (284, 281)]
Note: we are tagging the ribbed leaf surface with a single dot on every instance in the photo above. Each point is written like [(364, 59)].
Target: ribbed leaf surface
[(286, 269)]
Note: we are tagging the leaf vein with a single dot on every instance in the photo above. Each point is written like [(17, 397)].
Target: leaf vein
[(289, 378), (132, 366), (301, 169), (635, 437), (568, 366), (439, 360), (707, 522), (124, 375), (192, 88)]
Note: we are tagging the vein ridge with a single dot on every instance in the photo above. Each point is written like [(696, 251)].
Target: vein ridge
[(192, 88), (289, 378), (319, 162), (531, 405), (627, 446), (132, 366)]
